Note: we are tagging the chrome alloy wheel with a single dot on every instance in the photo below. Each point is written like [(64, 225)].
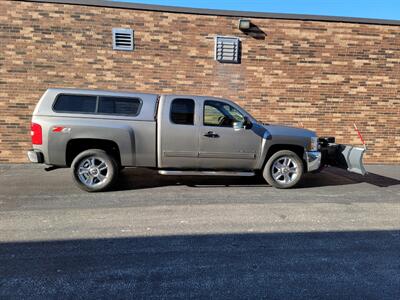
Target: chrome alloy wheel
[(285, 170), (92, 171)]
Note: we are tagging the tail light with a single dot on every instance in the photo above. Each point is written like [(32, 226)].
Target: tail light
[(36, 134)]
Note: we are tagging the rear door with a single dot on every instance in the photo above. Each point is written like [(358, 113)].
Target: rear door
[(221, 145), (178, 142)]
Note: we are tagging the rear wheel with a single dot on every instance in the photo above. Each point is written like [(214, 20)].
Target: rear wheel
[(94, 170), (283, 169)]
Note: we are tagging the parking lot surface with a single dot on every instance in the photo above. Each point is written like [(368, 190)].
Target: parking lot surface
[(336, 236)]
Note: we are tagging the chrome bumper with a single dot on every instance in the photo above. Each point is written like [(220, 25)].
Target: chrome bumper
[(35, 156), (313, 159)]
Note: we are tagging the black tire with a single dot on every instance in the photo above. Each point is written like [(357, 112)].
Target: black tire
[(89, 165), (271, 172)]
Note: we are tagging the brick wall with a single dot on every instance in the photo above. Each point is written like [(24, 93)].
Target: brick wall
[(325, 75)]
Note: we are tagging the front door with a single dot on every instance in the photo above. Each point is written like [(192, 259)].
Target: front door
[(224, 143)]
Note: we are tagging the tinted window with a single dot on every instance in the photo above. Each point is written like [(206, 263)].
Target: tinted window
[(182, 111), (75, 103), (220, 114), (119, 106)]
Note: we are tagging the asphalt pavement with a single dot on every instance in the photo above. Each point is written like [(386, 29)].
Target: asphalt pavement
[(336, 236)]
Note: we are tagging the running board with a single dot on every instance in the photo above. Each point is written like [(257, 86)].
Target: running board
[(205, 173)]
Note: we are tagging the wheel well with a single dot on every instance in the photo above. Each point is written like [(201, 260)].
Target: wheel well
[(299, 150), (76, 146)]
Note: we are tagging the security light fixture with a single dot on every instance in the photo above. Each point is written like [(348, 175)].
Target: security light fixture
[(244, 24)]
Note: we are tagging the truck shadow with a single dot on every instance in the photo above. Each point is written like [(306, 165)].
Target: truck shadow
[(131, 179), (335, 176), (278, 265)]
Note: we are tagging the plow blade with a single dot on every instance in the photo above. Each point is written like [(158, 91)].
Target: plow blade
[(354, 159), (345, 157)]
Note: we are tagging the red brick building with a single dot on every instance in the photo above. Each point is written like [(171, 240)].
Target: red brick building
[(323, 72)]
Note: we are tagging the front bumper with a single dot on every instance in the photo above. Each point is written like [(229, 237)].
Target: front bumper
[(313, 160), (35, 156)]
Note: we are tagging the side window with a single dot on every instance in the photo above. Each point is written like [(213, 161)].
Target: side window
[(212, 115), (182, 111), (75, 104), (220, 114), (119, 106)]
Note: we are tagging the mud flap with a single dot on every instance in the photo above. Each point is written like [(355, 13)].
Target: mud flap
[(345, 157)]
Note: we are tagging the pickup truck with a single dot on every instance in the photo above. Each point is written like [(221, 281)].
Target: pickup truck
[(98, 133)]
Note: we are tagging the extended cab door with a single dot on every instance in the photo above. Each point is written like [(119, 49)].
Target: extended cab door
[(178, 142), (221, 145)]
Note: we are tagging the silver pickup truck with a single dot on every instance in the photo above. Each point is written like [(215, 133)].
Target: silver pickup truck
[(97, 133)]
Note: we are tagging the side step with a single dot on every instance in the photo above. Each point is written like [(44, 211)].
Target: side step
[(205, 173)]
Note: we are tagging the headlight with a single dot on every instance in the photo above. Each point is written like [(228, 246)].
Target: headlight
[(314, 143)]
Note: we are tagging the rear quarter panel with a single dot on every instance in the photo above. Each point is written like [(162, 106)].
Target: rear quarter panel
[(135, 139)]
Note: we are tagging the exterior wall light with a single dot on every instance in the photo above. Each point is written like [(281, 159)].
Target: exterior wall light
[(244, 24)]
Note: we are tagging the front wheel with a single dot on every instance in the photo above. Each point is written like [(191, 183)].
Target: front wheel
[(94, 170), (283, 169)]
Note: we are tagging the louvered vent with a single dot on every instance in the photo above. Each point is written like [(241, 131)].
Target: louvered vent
[(122, 39), (227, 49)]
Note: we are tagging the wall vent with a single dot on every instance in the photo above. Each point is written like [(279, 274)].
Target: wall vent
[(227, 49), (122, 39)]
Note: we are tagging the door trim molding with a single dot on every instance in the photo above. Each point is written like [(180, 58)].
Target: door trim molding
[(228, 155), (190, 154)]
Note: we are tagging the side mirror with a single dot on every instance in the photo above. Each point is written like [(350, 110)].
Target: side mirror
[(247, 123), (238, 125)]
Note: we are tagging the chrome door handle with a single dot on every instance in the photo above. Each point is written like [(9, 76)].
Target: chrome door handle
[(211, 134)]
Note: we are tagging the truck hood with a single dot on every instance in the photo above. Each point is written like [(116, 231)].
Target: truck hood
[(280, 130)]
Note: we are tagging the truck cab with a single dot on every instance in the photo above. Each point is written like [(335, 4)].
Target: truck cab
[(206, 133)]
